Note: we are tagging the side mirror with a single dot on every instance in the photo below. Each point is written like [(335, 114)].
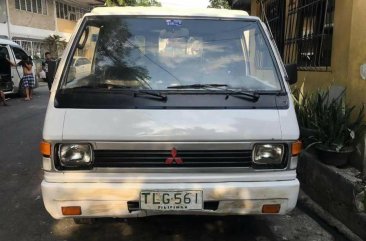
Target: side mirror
[(291, 70)]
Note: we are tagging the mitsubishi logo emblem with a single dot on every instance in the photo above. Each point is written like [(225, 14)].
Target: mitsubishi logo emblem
[(173, 158)]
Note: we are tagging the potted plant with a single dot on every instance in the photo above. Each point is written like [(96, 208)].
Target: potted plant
[(338, 130), (304, 107)]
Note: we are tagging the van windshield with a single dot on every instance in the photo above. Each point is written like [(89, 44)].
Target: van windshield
[(164, 53)]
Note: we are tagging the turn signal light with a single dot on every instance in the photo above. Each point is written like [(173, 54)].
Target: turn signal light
[(45, 148), (296, 148), (73, 210), (271, 208)]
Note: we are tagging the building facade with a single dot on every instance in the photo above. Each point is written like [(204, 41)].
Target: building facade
[(326, 38), (29, 22)]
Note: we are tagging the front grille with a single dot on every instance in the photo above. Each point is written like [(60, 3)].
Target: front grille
[(183, 158)]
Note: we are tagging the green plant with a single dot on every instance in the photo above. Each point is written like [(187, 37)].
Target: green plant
[(337, 127), (304, 107), (112, 3), (219, 4), (55, 44)]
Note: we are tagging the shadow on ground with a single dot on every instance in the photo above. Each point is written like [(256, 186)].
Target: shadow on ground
[(176, 228)]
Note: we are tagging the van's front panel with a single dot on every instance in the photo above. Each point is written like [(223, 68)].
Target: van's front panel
[(169, 115), (129, 179)]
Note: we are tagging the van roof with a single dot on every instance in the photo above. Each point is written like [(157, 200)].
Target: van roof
[(8, 42), (164, 11)]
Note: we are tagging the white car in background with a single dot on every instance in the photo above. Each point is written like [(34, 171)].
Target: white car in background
[(82, 66), (10, 76)]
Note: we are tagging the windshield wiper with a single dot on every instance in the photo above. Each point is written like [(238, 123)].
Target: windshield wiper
[(197, 86), (151, 93), (243, 94)]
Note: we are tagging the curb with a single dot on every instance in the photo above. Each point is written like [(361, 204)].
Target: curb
[(307, 202)]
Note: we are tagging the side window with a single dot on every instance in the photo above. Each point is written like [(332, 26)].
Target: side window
[(78, 62), (19, 53), (258, 57), (4, 53), (3, 17), (84, 61), (83, 55), (4, 66), (262, 56)]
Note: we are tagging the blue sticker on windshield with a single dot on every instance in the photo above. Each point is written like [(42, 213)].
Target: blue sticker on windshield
[(173, 22)]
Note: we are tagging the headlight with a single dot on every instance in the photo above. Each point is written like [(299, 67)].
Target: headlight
[(75, 155), (268, 154)]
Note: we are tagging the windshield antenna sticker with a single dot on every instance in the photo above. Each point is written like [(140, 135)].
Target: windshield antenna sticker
[(173, 22)]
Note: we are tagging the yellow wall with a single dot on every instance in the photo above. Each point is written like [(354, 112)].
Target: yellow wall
[(348, 52), (65, 26), (338, 73), (357, 55)]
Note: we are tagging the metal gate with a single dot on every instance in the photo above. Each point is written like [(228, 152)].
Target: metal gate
[(273, 13)]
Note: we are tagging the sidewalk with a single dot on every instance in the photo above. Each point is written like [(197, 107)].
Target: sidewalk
[(333, 194), (309, 204)]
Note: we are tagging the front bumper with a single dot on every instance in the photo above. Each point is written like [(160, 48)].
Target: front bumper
[(111, 199)]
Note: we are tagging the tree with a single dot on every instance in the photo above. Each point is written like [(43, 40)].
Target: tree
[(55, 44), (219, 4), (112, 3)]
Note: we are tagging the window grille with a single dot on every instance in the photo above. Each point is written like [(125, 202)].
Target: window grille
[(35, 48), (309, 32), (65, 11), (273, 13), (33, 6), (303, 31)]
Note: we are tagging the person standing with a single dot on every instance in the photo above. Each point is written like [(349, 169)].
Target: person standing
[(28, 77), (49, 66)]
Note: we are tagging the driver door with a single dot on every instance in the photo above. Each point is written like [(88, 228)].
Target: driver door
[(17, 72), (6, 84)]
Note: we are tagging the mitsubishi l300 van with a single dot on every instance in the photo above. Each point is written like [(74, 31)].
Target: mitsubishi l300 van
[(180, 112)]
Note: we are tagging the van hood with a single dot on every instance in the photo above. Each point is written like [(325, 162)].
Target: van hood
[(172, 125)]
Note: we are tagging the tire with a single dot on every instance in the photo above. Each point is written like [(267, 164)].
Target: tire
[(84, 220), (21, 91)]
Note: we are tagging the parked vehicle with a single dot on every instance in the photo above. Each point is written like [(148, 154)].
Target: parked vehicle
[(181, 112), (82, 66), (10, 76)]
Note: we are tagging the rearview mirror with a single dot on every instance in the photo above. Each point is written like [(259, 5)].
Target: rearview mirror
[(291, 70)]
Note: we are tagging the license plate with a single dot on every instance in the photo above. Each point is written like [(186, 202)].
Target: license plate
[(171, 200)]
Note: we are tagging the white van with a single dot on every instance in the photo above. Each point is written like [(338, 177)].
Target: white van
[(182, 112), (10, 76)]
